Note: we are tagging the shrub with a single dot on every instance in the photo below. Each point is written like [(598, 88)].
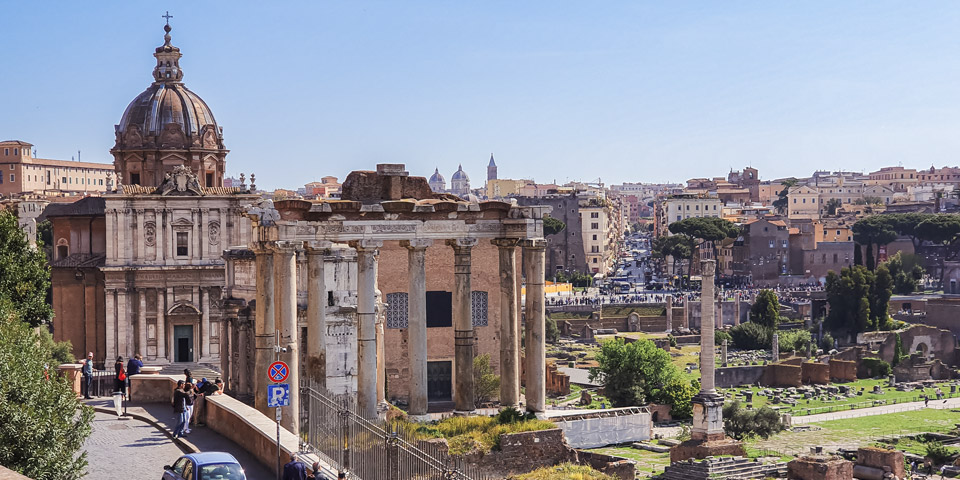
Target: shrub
[(797, 340), (741, 423), (512, 415), (876, 367), (673, 341), (679, 395), (720, 336), (564, 471), (751, 336), (486, 383), (826, 342), (938, 453)]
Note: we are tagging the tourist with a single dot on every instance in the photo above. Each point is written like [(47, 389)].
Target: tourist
[(134, 366), (189, 398), (186, 373), (120, 377), (317, 473), (179, 409), (204, 389), (87, 376), (295, 469)]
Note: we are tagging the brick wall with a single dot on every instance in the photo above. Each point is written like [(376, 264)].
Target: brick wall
[(843, 370), (525, 451), (783, 375), (819, 468), (881, 457), (814, 372)]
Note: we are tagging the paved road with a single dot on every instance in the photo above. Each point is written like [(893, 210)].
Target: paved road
[(866, 412), (127, 449)]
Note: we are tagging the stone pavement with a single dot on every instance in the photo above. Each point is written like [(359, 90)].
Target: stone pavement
[(201, 439), (127, 448), (866, 412)]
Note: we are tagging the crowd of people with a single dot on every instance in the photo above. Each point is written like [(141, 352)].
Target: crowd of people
[(189, 399), (785, 294), (295, 469)]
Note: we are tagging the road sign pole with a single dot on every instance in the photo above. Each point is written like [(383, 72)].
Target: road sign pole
[(279, 460)]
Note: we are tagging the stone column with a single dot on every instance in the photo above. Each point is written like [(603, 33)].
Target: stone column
[(509, 323), (140, 246), (462, 325), (536, 348), (121, 244), (111, 324), (775, 347), (708, 348), (205, 323), (367, 253), (669, 312), (123, 320), (195, 234), (265, 325), (142, 323), (170, 340), (736, 319), (316, 312), (202, 235), (161, 325), (723, 353), (171, 237), (285, 282), (417, 329)]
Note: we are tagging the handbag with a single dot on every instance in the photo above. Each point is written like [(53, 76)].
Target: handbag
[(122, 375)]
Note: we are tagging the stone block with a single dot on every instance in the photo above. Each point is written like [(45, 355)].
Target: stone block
[(880, 457), (699, 450), (819, 467)]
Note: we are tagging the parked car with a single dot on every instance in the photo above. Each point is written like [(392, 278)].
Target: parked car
[(204, 466)]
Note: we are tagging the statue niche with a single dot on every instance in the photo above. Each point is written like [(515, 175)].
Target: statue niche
[(133, 138)]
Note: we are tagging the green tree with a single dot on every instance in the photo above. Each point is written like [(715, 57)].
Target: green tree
[(874, 230), (707, 229), (42, 423), (752, 336), (552, 332), (826, 342), (552, 226), (741, 423), (766, 309), (849, 297), (871, 260), (633, 373), (832, 205), (25, 275), (904, 279), (782, 200), (678, 247), (897, 351), (881, 289), (486, 383), (857, 254), (679, 395)]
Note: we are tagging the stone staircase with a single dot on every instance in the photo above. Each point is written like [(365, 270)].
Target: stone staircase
[(733, 468), (198, 370)]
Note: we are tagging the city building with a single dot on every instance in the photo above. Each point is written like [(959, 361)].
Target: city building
[(437, 182), (327, 187), (491, 169), (762, 252), (460, 183), (21, 173)]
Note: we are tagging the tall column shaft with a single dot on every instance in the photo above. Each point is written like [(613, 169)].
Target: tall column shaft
[(142, 323), (123, 322), (536, 348), (509, 323), (707, 342), (265, 325), (462, 325), (316, 313), (171, 350), (161, 330), (205, 322), (367, 252), (417, 316), (111, 325), (285, 273)]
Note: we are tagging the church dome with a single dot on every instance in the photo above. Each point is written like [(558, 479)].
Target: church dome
[(436, 177), (167, 101), (460, 175)]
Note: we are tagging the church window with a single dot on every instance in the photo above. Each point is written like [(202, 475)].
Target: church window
[(182, 242), (478, 309), (210, 180), (397, 310), (439, 309), (62, 251)]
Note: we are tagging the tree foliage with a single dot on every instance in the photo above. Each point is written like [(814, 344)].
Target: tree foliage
[(897, 351), (782, 201), (552, 333), (859, 299), (742, 423), (552, 226), (42, 423), (24, 273), (679, 395), (486, 384), (679, 247), (707, 229), (766, 309), (633, 373), (832, 205)]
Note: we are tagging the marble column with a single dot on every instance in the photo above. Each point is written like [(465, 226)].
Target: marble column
[(161, 331), (122, 325), (205, 323), (719, 314), (417, 324), (367, 253), (462, 325), (142, 323), (264, 326), (111, 324), (285, 283), (140, 249), (171, 350), (775, 348), (723, 353), (122, 226), (316, 312), (535, 313), (509, 323), (708, 348), (669, 312), (736, 318)]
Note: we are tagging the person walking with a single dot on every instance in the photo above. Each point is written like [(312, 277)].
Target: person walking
[(133, 367), (87, 375), (180, 409), (295, 469), (120, 377), (189, 398)]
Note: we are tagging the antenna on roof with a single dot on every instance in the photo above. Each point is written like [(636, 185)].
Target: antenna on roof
[(78, 155)]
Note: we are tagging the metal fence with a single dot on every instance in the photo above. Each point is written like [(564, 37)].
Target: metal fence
[(332, 429), (102, 384)]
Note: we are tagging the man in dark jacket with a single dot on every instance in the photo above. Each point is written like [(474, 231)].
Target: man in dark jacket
[(133, 368), (295, 470), (180, 409)]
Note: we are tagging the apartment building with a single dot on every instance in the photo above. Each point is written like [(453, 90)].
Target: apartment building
[(21, 173)]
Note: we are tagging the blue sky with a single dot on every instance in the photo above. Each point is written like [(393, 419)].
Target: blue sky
[(557, 90)]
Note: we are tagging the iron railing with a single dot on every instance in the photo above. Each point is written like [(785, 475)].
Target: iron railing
[(371, 449)]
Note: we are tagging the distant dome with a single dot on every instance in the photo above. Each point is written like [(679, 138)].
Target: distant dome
[(460, 175), (436, 177)]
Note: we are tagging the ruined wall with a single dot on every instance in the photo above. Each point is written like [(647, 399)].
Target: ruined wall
[(523, 452), (782, 375), (615, 466), (843, 370), (814, 372), (727, 377), (820, 467), (939, 343), (880, 457)]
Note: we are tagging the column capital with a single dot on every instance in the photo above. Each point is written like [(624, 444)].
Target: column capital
[(463, 242), (416, 244), (505, 242), (284, 247), (366, 245), (534, 243), (317, 247), (708, 268)]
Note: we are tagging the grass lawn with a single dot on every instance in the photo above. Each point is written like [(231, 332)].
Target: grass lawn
[(648, 463), (856, 432), (624, 311), (814, 405), (911, 445)]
